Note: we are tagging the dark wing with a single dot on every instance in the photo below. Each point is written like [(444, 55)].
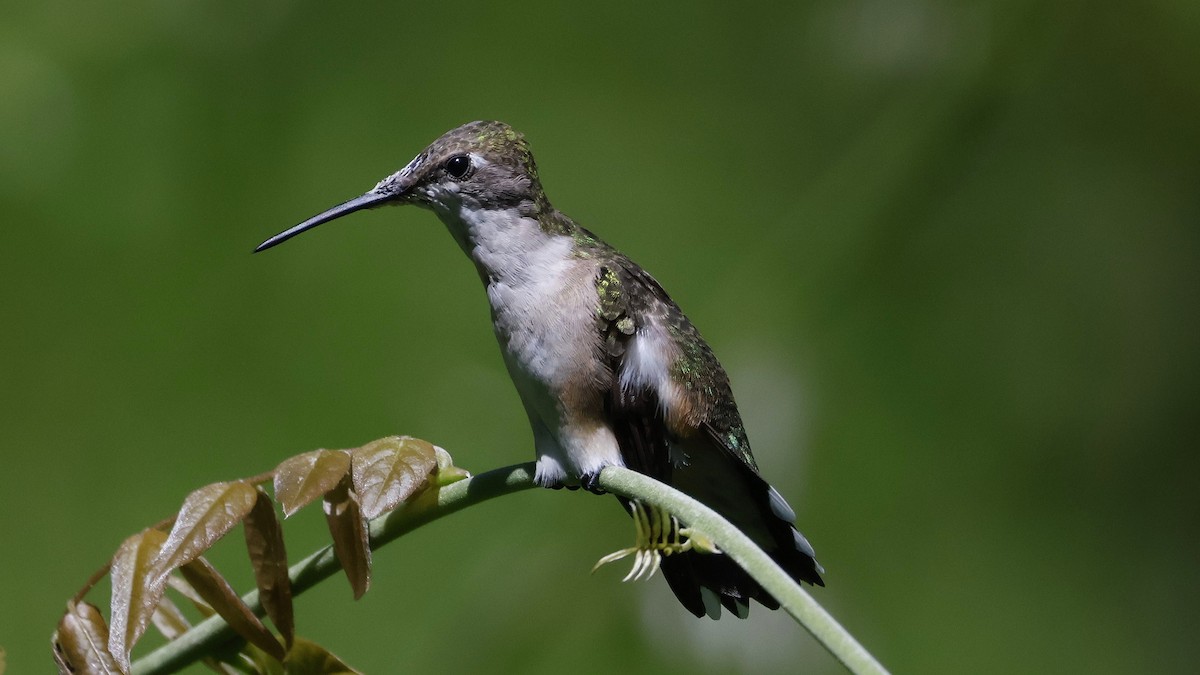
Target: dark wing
[(699, 447)]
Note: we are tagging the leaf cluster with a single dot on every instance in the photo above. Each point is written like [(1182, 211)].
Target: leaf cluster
[(354, 486)]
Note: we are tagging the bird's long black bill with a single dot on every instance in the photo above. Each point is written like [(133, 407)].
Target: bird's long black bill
[(367, 201)]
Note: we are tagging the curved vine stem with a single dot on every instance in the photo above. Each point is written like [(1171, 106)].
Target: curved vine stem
[(734, 543), (207, 636)]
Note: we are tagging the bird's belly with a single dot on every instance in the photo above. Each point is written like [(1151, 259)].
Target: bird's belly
[(550, 344)]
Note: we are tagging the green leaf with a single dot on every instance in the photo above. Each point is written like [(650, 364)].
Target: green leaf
[(137, 588), (268, 556), (81, 642), (217, 592), (388, 471), (351, 541), (304, 478), (206, 515)]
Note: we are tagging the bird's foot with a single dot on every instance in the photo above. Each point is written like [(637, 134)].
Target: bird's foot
[(657, 534), (591, 483)]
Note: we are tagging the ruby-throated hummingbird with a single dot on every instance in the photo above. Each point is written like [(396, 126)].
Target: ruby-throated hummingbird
[(609, 369)]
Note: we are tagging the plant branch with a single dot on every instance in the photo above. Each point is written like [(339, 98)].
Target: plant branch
[(205, 637), (734, 543), (213, 632)]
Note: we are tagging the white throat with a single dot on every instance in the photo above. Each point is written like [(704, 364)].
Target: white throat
[(502, 243)]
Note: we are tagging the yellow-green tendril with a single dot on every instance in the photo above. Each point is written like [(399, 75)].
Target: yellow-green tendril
[(656, 534)]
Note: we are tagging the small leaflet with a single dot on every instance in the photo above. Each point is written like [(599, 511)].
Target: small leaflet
[(137, 588), (81, 642), (388, 471), (169, 620), (206, 515), (182, 587), (268, 556), (348, 529), (307, 477), (217, 592)]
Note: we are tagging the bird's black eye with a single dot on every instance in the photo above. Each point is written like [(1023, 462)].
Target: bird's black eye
[(458, 166)]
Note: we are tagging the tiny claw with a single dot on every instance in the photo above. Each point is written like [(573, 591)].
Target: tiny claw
[(591, 483)]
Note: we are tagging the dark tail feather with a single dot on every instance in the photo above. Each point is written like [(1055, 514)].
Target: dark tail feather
[(706, 582), (716, 476)]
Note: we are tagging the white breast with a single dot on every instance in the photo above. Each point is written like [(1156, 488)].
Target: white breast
[(543, 301)]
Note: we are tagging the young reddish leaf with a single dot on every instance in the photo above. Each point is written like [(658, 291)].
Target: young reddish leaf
[(388, 471), (311, 658), (81, 642), (350, 538), (169, 620), (303, 478), (181, 587), (137, 587), (217, 592), (206, 515), (264, 542)]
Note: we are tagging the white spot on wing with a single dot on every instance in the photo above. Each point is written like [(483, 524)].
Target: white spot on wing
[(647, 366)]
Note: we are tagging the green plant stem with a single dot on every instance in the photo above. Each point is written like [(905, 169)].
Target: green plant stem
[(209, 635), (734, 543)]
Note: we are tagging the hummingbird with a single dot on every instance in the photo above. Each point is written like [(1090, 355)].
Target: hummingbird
[(609, 369)]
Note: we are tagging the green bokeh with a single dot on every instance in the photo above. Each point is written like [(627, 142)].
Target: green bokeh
[(948, 254)]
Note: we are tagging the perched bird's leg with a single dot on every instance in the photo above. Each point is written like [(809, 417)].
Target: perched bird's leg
[(656, 534), (591, 483)]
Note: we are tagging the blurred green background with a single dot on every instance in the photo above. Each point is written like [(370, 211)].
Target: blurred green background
[(947, 253)]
